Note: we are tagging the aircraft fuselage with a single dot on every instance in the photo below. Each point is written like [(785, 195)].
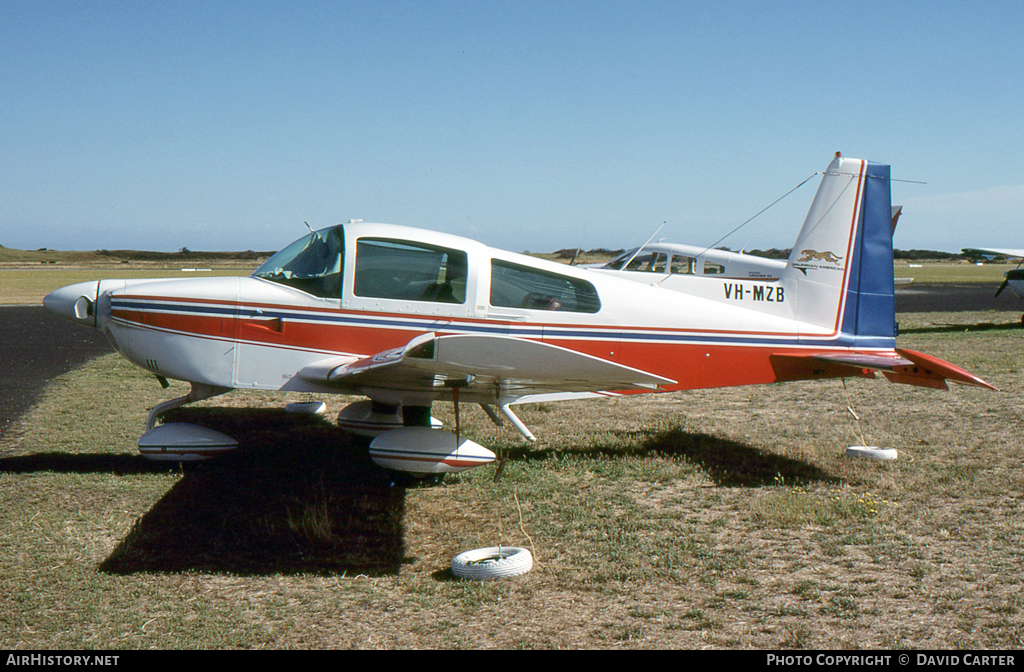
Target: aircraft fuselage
[(256, 333)]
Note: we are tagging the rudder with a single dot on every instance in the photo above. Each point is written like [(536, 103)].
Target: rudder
[(870, 300)]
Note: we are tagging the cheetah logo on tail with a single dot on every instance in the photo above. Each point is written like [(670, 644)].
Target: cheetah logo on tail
[(812, 259), (814, 255)]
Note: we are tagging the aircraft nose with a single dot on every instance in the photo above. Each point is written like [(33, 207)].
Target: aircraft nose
[(75, 302)]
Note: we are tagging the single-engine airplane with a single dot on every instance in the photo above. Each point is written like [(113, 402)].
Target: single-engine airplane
[(407, 317), (669, 263), (1014, 279), (672, 265)]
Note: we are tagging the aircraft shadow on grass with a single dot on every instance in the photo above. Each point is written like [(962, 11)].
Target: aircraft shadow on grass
[(728, 463), (298, 496), (961, 328), (84, 463)]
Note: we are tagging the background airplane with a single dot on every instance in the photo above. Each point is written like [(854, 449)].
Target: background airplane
[(672, 265), (407, 317), (1014, 278), (669, 264)]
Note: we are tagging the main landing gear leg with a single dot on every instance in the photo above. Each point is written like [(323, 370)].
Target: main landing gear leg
[(198, 392), (184, 442)]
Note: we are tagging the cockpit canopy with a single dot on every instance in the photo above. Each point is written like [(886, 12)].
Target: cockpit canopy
[(385, 268), (403, 269)]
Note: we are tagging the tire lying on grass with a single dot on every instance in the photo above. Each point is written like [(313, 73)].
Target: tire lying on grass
[(495, 562)]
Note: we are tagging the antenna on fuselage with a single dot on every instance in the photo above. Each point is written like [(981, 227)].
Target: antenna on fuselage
[(308, 226), (761, 211)]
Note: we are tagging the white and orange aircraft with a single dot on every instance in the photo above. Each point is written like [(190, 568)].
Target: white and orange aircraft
[(407, 317)]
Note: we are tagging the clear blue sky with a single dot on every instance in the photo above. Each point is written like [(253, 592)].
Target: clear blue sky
[(526, 125)]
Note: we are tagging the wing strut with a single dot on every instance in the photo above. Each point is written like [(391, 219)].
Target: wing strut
[(491, 414), (514, 419)]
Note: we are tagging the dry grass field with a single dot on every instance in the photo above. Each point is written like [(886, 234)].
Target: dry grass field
[(725, 518)]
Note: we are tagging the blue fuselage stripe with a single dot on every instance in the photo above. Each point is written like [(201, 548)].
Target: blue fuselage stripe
[(549, 332)]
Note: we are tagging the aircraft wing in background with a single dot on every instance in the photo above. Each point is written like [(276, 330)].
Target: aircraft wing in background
[(1015, 278), (1006, 252)]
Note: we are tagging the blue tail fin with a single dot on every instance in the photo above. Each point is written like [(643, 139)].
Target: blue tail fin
[(870, 302)]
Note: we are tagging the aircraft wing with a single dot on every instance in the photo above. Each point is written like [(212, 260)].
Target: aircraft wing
[(1006, 252), (485, 368)]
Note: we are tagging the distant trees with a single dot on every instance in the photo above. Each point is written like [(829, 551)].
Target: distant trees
[(903, 255), (925, 255), (772, 253), (776, 253)]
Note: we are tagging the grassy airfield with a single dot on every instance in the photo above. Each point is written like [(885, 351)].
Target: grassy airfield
[(27, 276), (719, 518)]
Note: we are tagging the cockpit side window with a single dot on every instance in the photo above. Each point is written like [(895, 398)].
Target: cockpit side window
[(312, 264), (682, 265), (651, 262), (409, 271), (517, 286)]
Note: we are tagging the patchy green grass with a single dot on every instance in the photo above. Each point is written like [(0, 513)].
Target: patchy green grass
[(725, 518)]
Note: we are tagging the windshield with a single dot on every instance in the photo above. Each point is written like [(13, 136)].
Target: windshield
[(618, 262), (312, 264)]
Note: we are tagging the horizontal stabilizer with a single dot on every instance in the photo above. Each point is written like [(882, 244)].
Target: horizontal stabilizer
[(929, 371), (903, 366), (866, 360), (897, 210)]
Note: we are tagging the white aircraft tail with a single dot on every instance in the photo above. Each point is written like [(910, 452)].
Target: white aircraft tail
[(842, 261)]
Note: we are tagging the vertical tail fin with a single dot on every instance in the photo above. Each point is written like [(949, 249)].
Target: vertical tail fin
[(842, 261), (842, 277)]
